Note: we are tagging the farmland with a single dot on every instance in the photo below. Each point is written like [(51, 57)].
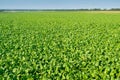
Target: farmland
[(59, 45)]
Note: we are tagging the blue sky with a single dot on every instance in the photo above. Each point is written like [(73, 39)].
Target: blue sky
[(58, 4)]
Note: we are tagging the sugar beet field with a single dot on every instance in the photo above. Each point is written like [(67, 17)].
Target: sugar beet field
[(59, 46)]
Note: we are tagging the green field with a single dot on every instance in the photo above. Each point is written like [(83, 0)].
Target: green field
[(59, 45)]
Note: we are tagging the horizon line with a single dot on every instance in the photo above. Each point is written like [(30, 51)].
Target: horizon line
[(56, 8)]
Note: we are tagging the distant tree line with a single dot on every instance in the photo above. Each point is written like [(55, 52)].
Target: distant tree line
[(94, 9)]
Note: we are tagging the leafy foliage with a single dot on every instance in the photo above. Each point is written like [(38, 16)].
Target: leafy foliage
[(59, 45)]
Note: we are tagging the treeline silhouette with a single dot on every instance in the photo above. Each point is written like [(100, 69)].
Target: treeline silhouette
[(95, 9)]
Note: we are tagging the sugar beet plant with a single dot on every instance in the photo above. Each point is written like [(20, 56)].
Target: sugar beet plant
[(59, 45)]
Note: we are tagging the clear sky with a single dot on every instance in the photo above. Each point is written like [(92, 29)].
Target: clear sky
[(58, 4)]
